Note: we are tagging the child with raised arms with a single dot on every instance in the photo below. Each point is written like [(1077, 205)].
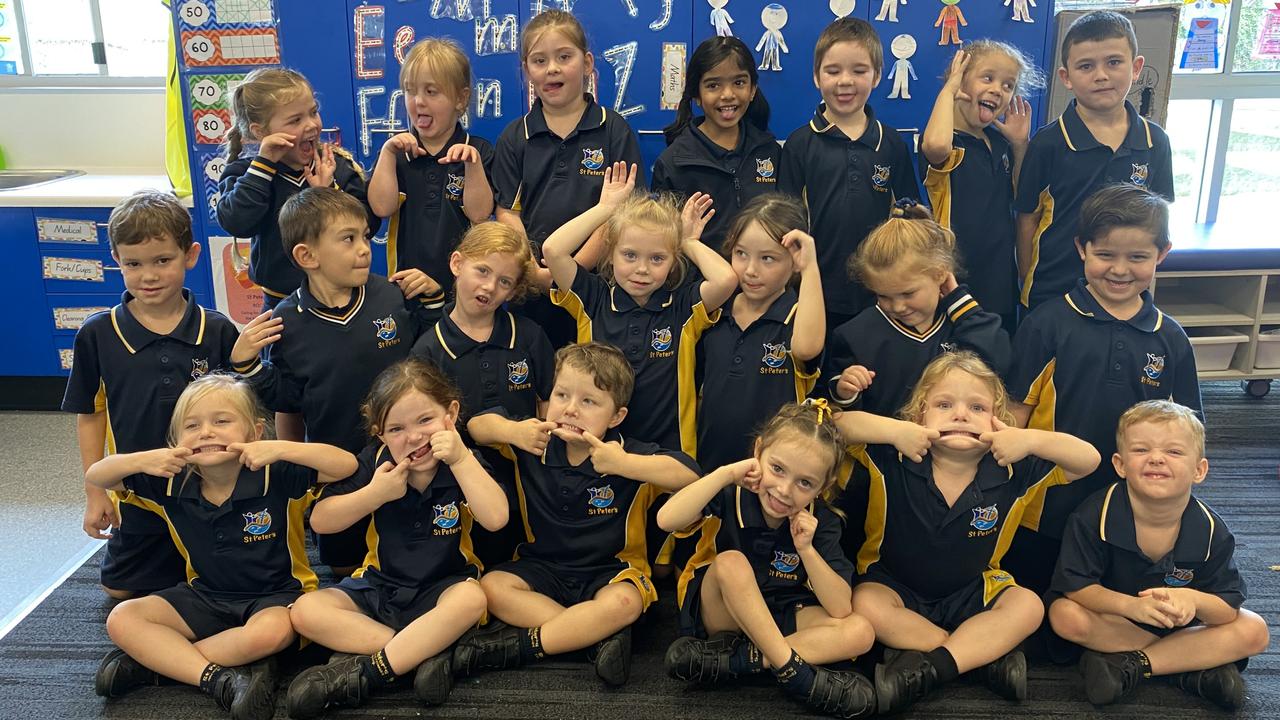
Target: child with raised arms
[(432, 181), (759, 356), (921, 311), (234, 503), (942, 492), (729, 152), (768, 586), (643, 300), (417, 591), (970, 159)]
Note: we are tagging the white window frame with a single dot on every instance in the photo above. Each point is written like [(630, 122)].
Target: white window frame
[(29, 81)]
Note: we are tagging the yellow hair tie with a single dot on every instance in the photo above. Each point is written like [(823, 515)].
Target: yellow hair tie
[(824, 410)]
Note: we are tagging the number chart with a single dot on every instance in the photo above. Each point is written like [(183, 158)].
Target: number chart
[(210, 101), (220, 33)]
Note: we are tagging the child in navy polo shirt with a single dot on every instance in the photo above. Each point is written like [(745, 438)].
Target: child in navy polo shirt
[(1099, 139), (729, 152), (847, 166), (432, 181), (1084, 358), (234, 504), (332, 336), (416, 592), (942, 492), (581, 578), (1146, 579), (768, 587), (129, 367)]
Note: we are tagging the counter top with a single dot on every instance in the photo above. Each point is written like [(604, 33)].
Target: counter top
[(95, 189)]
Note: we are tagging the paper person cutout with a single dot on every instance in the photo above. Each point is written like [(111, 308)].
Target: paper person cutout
[(889, 10), (843, 8), (773, 17), (720, 18), (902, 47), (950, 18), (1020, 11)]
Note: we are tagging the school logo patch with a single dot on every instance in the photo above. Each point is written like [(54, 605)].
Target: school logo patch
[(446, 515), (454, 187), (947, 347), (1001, 577), (386, 328), (1155, 366), (600, 497), (518, 372), (1139, 174), (1179, 578), (661, 340), (785, 562), (593, 159), (880, 178), (774, 355), (257, 523), (764, 167), (985, 518), (199, 368)]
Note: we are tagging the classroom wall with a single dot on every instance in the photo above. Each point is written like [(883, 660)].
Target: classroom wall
[(103, 130)]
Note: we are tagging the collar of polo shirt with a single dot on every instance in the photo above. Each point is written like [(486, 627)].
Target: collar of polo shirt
[(1149, 319), (190, 329), (870, 137), (1195, 536), (1079, 138), (535, 123)]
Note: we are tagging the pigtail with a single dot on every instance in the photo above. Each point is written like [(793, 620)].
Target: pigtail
[(758, 111), (684, 115), (343, 152)]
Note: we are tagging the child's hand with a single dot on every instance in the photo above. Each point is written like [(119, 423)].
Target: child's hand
[(1151, 609), (447, 445), (413, 282), (1008, 444), (532, 435), (695, 216), (619, 183), (745, 474), (853, 380), (274, 146), (100, 515), (165, 462), (390, 481), (803, 526), (914, 440), (608, 458), (804, 253), (1017, 121), (1181, 608), (259, 333), (955, 77), (461, 152), (320, 172), (949, 284), (258, 454), (403, 143)]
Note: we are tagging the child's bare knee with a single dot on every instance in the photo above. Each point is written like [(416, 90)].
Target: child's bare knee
[(627, 603), (303, 614), (271, 635), (858, 633), (123, 618), (1255, 637), (1025, 605), (733, 566), (1070, 620), (471, 598)]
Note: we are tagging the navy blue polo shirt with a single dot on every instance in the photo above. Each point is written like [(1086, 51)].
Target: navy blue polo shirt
[(972, 194), (934, 549), (848, 185), (327, 358), (660, 341), (135, 376), (898, 354), (430, 222), (550, 180), (695, 163), (250, 195), (513, 369), (1064, 165), (582, 520), (251, 545), (746, 375), (734, 520), (1100, 547), (1080, 369), (418, 539)]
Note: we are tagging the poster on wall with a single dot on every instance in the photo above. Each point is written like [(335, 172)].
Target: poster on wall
[(1268, 45), (228, 32), (235, 294)]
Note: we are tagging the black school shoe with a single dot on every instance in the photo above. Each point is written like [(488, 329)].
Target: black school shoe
[(842, 693), (119, 673), (1109, 676), (702, 661), (248, 692), (496, 646), (612, 658), (1222, 685), (905, 679), (340, 683), (434, 679), (1007, 676)]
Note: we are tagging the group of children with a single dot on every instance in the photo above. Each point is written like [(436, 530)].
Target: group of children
[(492, 487)]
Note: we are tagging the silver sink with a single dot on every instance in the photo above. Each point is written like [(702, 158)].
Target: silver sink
[(14, 179)]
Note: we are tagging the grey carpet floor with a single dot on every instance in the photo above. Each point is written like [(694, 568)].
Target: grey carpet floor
[(47, 662)]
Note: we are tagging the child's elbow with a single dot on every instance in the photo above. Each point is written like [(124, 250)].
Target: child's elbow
[(495, 520)]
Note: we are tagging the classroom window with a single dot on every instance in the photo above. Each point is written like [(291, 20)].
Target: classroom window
[(1188, 128), (49, 40), (1251, 180)]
